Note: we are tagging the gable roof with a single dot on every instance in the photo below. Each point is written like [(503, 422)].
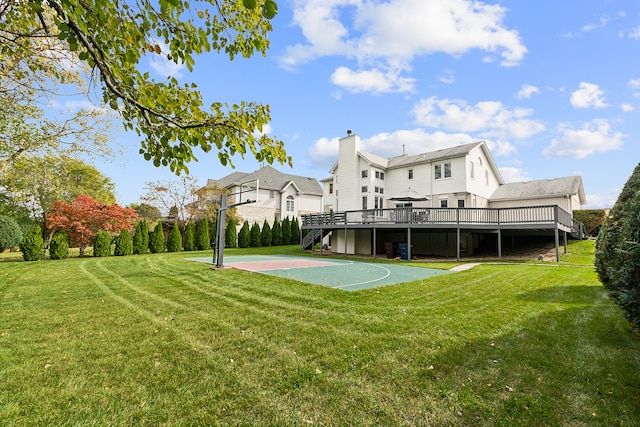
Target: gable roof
[(270, 179), (557, 187), (445, 153)]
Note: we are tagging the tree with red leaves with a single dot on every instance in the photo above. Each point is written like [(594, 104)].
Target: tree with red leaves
[(84, 217)]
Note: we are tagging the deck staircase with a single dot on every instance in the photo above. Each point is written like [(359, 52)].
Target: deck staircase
[(313, 237)]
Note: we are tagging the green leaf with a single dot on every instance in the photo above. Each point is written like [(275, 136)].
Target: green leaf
[(250, 4)]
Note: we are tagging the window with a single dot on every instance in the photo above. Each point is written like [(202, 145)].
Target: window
[(272, 194), (472, 170), (331, 188), (379, 190), (378, 203), (438, 171), (461, 203), (444, 203), (290, 203), (380, 175), (364, 202), (486, 177), (365, 173), (365, 188), (410, 173)]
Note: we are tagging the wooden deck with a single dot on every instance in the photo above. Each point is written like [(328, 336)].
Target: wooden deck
[(489, 220)]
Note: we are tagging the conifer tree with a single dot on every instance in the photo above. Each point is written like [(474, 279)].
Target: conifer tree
[(59, 246), (124, 244), (255, 240), (32, 246), (102, 244), (266, 235), (295, 232), (202, 236), (244, 236), (231, 234), (286, 231), (174, 240), (276, 233), (156, 242), (190, 237)]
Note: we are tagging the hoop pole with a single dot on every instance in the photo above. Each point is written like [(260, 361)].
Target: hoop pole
[(222, 216)]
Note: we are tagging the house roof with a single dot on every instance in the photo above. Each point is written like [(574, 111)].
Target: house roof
[(557, 187), (456, 151), (270, 179)]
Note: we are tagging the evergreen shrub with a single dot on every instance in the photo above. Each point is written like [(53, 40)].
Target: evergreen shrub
[(59, 246), (617, 256), (244, 237), (202, 235), (286, 231), (124, 243), (10, 233), (266, 234), (190, 237), (32, 246), (102, 244), (231, 234), (276, 233), (255, 238), (174, 239), (295, 232), (156, 241)]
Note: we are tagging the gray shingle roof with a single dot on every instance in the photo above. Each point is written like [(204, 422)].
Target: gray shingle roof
[(458, 150), (540, 188), (270, 179)]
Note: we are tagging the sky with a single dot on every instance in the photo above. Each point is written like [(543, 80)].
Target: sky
[(553, 87)]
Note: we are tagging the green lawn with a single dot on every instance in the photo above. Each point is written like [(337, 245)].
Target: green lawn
[(155, 340)]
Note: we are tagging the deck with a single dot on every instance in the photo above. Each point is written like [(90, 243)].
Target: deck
[(490, 220)]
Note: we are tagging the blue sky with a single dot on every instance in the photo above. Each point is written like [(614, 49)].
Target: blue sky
[(553, 87)]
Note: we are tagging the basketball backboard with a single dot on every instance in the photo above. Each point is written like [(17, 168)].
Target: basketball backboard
[(248, 192)]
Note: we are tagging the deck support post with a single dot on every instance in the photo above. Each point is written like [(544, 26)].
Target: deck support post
[(565, 242), (499, 244), (557, 241), (409, 243), (458, 244), (374, 242)]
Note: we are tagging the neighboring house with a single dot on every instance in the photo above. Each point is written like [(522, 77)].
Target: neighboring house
[(423, 191), (280, 195)]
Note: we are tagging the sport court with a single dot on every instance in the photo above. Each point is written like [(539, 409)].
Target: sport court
[(336, 273)]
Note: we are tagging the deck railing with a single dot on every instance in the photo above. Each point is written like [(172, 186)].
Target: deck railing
[(527, 215)]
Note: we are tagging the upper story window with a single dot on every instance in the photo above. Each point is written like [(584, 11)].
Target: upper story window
[(365, 189), (472, 170), (272, 194), (442, 170), (486, 177), (410, 173), (365, 173), (380, 175), (461, 203), (444, 203), (331, 188), (290, 204), (379, 190)]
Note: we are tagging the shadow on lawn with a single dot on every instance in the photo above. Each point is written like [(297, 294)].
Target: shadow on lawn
[(567, 294), (573, 366)]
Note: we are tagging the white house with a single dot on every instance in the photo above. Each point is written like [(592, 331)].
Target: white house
[(279, 196), (430, 196)]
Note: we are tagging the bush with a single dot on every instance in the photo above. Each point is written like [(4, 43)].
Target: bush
[(295, 232), (231, 234), (266, 234), (202, 236), (617, 256), (32, 245), (59, 246), (102, 244), (141, 238), (244, 237), (276, 233), (286, 231), (255, 236), (10, 233), (124, 244), (156, 242), (190, 237), (174, 239)]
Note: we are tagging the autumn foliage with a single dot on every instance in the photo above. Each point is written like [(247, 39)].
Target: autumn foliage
[(84, 217)]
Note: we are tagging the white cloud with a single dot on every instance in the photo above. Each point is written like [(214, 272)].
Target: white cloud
[(590, 27), (593, 137), (588, 96), (162, 65), (634, 34), (527, 91), (375, 81), (393, 33), (488, 119), (447, 77), (324, 152), (513, 174), (634, 83), (627, 108)]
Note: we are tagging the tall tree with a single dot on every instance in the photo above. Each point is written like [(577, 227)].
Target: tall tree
[(84, 217), (146, 211), (167, 195), (112, 37), (36, 182)]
